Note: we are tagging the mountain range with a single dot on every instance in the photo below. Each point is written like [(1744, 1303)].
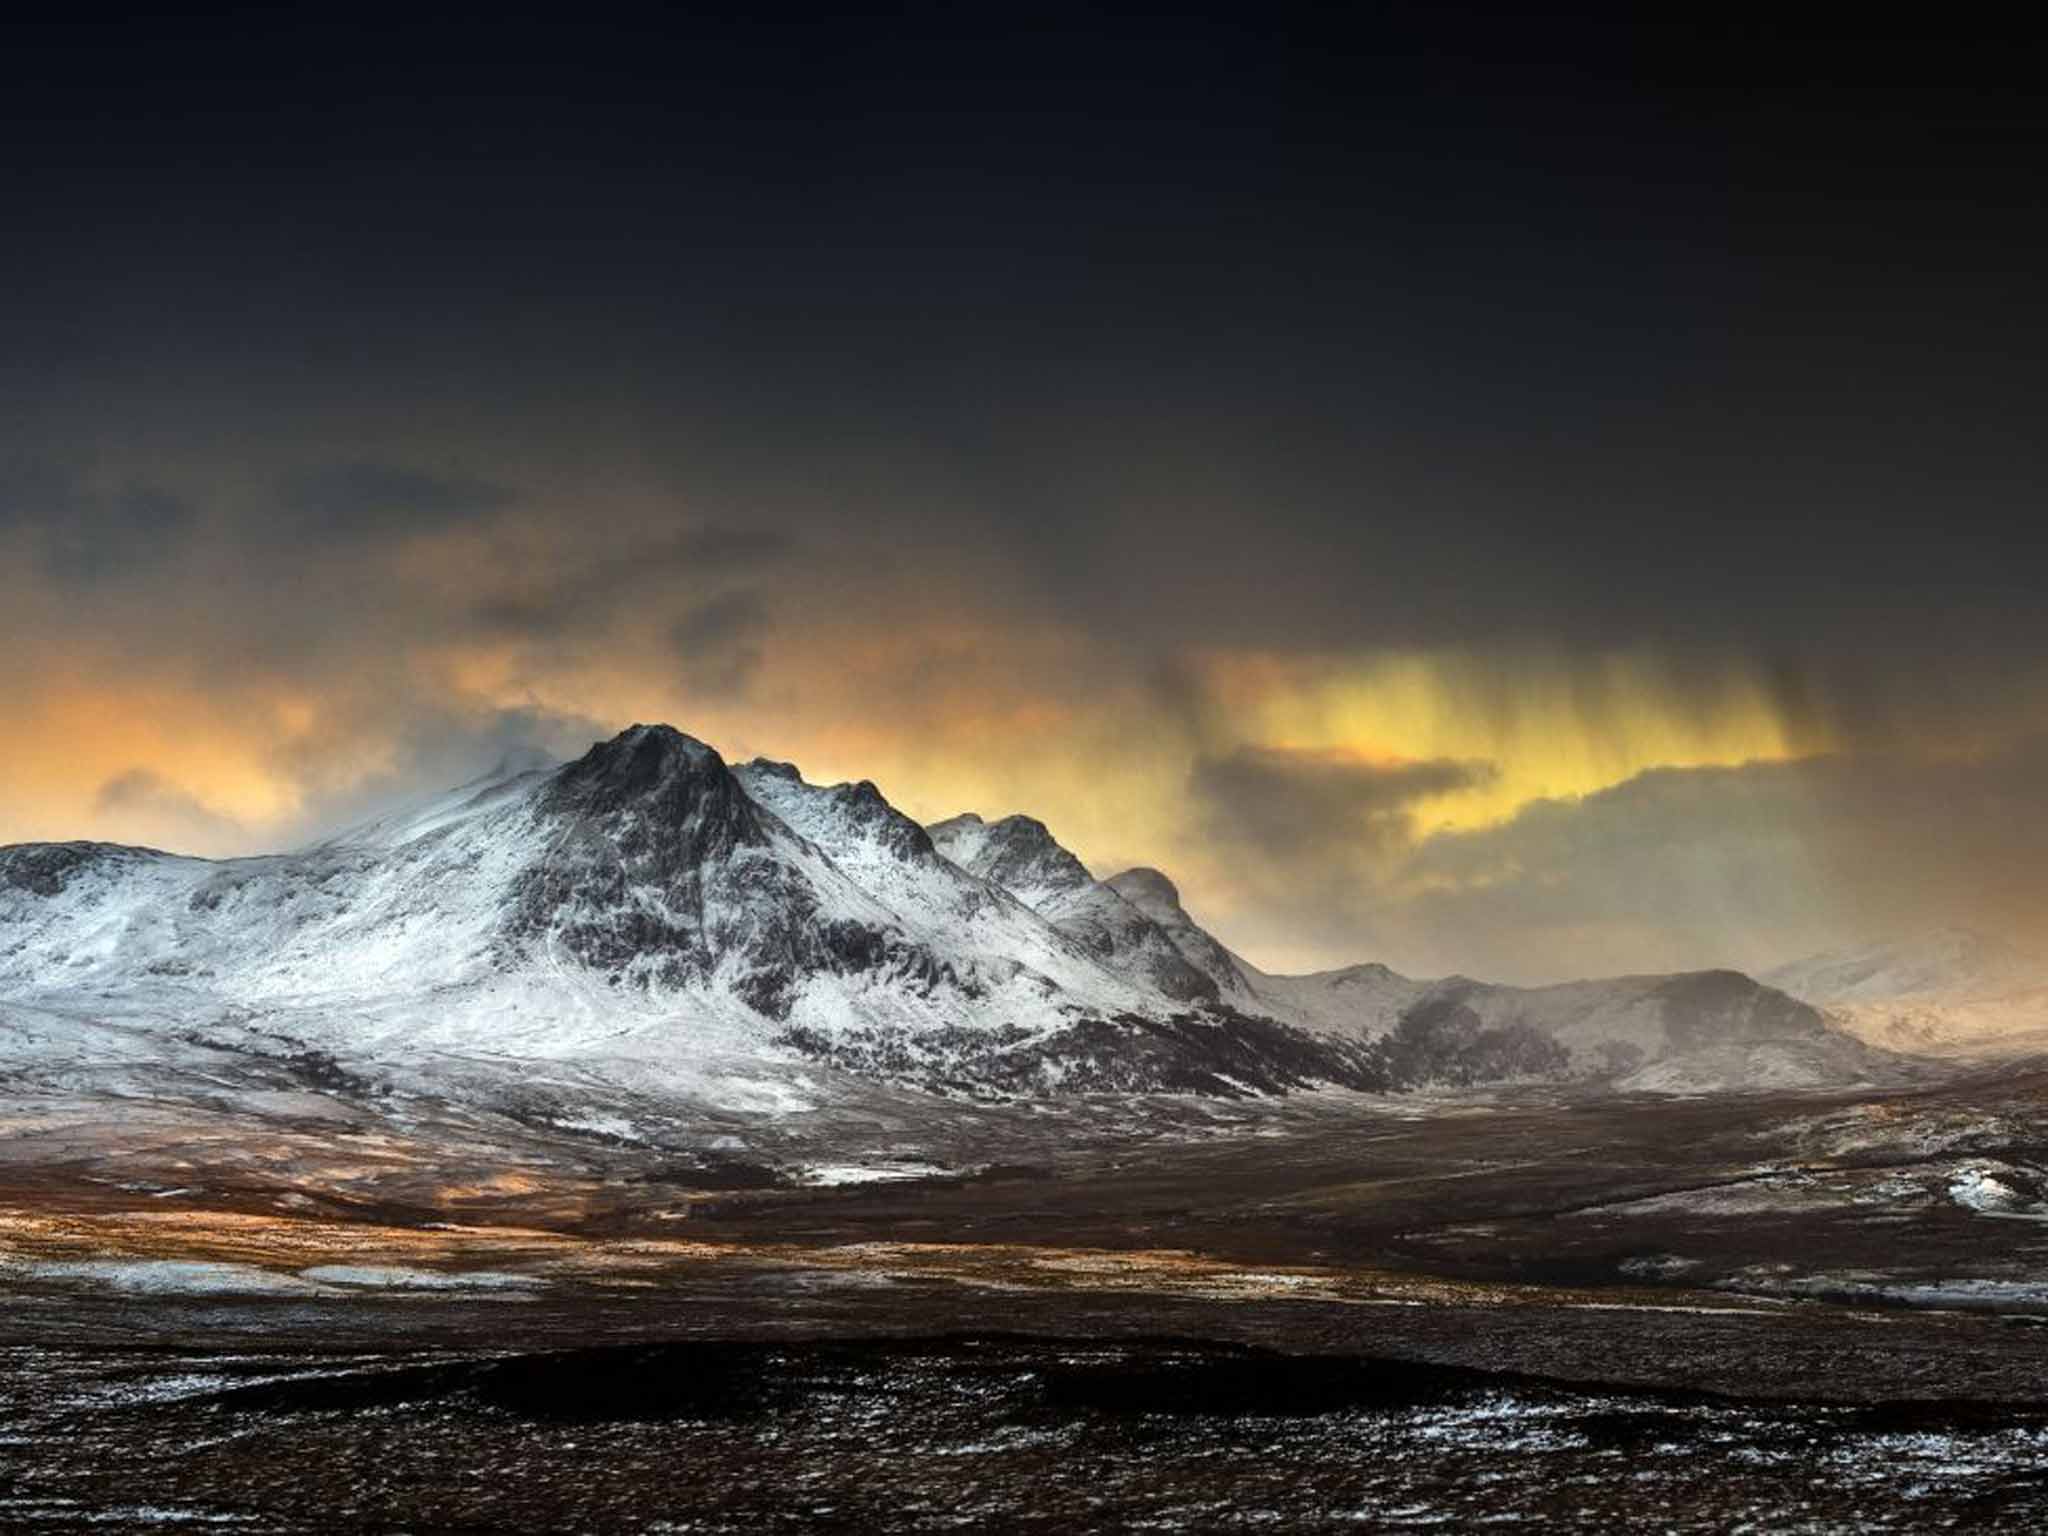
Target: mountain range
[(1949, 992), (653, 908)]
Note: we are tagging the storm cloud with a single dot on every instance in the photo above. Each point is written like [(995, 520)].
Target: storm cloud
[(82, 533), (718, 641), (1284, 805), (1749, 864), (365, 499), (1402, 475)]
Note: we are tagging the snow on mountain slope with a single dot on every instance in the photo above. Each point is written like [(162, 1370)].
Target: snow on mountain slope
[(639, 902), (1950, 992), (1947, 965), (896, 861), (1713, 1026), (69, 912), (1359, 1001), (648, 905), (642, 871), (1021, 856), (512, 775), (1702, 1029), (1159, 899)]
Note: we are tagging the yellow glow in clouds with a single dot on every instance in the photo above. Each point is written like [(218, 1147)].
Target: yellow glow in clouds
[(1550, 730)]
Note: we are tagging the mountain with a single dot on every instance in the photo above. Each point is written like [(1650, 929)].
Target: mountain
[(1019, 855), (649, 913), (640, 887), (1158, 898), (1947, 964), (1948, 992), (1692, 1032)]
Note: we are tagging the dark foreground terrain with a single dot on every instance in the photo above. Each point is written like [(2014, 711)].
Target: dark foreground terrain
[(964, 1433), (1774, 1313)]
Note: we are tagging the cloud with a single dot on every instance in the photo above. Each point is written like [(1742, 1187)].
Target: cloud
[(383, 752), (1323, 861), (1287, 803), (1750, 865), (84, 534), (718, 642), (35, 491), (366, 499), (1305, 840), (586, 589), (160, 811)]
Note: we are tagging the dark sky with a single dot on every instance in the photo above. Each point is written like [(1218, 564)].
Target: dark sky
[(1368, 460)]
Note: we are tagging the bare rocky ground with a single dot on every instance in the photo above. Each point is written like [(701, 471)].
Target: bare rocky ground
[(330, 1311)]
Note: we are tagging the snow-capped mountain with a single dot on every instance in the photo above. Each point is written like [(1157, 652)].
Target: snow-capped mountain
[(1159, 899), (1694, 1030), (649, 903), (1948, 964), (1947, 992), (640, 888), (1019, 855)]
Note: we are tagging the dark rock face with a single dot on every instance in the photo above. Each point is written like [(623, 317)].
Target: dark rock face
[(44, 869), (647, 822), (1122, 936), (1441, 1042), (863, 805), (1149, 891), (663, 870), (1215, 1053), (1708, 1008), (665, 797)]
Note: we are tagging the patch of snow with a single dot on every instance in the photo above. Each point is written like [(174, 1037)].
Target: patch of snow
[(399, 1277), (831, 1174), (167, 1277), (616, 1126), (1980, 1189)]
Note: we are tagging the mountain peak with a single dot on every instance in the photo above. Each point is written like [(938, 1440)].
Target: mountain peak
[(1158, 898), (1148, 890), (665, 738), (836, 816), (649, 750), (656, 770), (1018, 853)]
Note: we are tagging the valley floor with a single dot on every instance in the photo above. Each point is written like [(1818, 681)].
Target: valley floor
[(1327, 1312)]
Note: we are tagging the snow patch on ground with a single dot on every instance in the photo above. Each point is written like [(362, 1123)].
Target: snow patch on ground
[(1861, 1285), (830, 1174), (399, 1277), (167, 1277), (1976, 1187), (616, 1126)]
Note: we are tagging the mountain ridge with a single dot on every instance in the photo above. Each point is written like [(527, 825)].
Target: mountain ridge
[(1946, 992), (649, 900)]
